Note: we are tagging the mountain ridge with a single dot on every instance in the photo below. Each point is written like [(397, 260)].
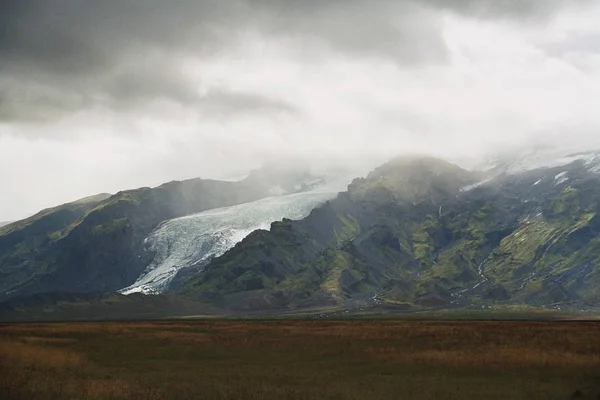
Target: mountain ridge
[(416, 233), (410, 233), (98, 248)]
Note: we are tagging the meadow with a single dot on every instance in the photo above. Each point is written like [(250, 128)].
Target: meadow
[(301, 359)]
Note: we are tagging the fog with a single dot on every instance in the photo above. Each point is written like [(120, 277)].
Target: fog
[(105, 96)]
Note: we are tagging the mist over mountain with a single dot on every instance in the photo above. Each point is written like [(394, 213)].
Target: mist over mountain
[(99, 98)]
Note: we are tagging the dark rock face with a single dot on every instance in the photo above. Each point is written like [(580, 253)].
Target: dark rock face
[(425, 232)]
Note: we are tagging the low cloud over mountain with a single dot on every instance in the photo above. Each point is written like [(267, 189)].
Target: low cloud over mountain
[(102, 96)]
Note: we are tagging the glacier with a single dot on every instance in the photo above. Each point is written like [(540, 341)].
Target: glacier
[(195, 239)]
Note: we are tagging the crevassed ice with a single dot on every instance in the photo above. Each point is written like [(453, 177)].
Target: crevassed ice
[(195, 239)]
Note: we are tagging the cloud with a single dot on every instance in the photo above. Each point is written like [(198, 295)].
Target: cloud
[(127, 88), (64, 57), (519, 9), (105, 96), (72, 55)]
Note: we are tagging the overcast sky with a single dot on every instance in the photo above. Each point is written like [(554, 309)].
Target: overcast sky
[(100, 96)]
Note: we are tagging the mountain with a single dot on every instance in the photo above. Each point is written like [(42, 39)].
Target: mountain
[(97, 244), (416, 233), (21, 241), (3, 223), (419, 232)]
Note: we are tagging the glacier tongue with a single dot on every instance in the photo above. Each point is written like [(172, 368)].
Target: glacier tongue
[(195, 239)]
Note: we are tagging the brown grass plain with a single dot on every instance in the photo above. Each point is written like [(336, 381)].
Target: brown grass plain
[(301, 359)]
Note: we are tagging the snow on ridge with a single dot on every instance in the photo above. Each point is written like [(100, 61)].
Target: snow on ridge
[(529, 161)]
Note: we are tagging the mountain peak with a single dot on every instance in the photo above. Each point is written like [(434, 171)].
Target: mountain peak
[(414, 177), (418, 164)]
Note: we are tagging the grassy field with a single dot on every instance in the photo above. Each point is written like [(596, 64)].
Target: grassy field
[(304, 359)]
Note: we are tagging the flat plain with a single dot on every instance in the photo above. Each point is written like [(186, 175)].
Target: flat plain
[(301, 359)]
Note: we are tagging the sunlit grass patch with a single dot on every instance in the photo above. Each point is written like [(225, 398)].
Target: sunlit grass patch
[(30, 354)]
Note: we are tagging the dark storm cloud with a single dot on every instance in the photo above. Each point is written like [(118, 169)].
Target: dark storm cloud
[(62, 56), (128, 92), (65, 56), (71, 36)]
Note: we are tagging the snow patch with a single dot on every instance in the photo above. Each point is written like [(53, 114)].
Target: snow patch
[(561, 178), (475, 185)]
